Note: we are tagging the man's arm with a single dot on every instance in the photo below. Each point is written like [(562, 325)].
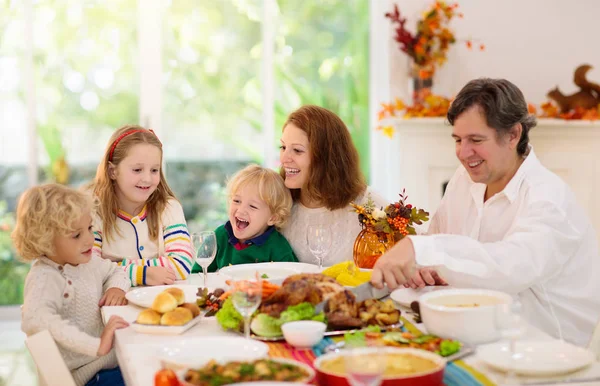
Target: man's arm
[(533, 251)]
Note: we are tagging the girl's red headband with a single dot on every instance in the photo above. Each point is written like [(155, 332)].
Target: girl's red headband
[(125, 134)]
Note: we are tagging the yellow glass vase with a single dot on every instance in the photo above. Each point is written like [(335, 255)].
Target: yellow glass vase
[(370, 245)]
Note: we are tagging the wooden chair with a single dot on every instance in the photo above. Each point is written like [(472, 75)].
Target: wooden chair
[(51, 368)]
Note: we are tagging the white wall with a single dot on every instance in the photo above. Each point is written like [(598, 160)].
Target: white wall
[(536, 44)]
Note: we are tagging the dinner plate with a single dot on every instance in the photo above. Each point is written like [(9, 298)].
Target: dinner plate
[(303, 381), (539, 358), (164, 330), (196, 352), (405, 296), (274, 272), (144, 296)]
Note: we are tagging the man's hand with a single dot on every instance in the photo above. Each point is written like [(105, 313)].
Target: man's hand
[(160, 276), (425, 276), (113, 297), (396, 266), (108, 334)]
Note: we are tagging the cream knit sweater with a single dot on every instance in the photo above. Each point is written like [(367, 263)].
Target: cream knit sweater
[(343, 223), (64, 300)]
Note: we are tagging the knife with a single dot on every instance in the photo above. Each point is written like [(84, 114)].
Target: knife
[(367, 291), (362, 292)]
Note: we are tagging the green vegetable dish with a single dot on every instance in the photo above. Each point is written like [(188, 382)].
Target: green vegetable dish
[(214, 374)]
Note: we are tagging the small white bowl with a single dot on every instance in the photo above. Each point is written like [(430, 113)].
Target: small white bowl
[(303, 333)]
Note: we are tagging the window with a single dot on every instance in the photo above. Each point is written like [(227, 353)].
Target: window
[(227, 72)]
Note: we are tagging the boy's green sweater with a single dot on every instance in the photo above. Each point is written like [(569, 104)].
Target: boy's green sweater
[(262, 249)]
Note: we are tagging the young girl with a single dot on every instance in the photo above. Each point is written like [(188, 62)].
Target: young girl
[(67, 284), (139, 222), (259, 204)]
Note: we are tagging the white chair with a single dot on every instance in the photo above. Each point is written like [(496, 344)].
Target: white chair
[(594, 345), (51, 368)]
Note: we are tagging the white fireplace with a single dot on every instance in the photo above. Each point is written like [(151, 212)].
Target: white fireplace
[(423, 149)]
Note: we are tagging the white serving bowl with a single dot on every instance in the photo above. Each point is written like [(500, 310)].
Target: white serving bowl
[(449, 314), (303, 333)]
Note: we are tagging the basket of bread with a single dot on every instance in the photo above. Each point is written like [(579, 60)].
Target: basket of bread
[(169, 314)]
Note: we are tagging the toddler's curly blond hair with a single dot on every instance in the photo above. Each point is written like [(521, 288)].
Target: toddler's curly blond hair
[(271, 189), (44, 212)]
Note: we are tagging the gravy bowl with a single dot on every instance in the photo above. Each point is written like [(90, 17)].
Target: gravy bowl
[(466, 315)]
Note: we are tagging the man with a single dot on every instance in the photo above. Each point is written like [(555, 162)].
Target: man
[(505, 222)]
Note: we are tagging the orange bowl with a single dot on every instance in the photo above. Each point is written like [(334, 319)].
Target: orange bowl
[(433, 377)]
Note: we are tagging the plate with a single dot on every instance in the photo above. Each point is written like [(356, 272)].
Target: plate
[(327, 333), (540, 358), (276, 272), (196, 352), (405, 296), (303, 381), (144, 296), (165, 330)]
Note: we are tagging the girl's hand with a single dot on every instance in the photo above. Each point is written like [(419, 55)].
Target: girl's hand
[(160, 276), (113, 297), (108, 334)]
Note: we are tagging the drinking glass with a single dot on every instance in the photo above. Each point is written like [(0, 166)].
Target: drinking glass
[(319, 239), (246, 296), (365, 366), (205, 248), (509, 324)]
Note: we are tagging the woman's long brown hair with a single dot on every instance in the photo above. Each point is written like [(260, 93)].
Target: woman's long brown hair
[(335, 178)]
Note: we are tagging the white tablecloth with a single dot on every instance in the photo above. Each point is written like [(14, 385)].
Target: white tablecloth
[(138, 353)]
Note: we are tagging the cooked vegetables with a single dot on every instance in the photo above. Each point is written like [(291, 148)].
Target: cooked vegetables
[(214, 374)]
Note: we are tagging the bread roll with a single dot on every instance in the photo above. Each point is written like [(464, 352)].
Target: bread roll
[(164, 302), (177, 294), (192, 307), (148, 316), (177, 317)]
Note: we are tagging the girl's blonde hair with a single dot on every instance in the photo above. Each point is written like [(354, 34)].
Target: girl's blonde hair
[(43, 213), (271, 190), (103, 186)]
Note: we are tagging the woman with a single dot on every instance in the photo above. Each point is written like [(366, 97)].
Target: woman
[(320, 166)]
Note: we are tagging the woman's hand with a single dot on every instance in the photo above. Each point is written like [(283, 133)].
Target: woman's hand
[(160, 276), (113, 297), (108, 334)]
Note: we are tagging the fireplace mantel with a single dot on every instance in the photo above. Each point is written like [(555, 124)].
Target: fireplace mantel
[(426, 156)]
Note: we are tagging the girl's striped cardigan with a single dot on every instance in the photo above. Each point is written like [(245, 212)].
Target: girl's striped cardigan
[(134, 250)]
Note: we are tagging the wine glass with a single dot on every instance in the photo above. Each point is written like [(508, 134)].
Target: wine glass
[(509, 324), (246, 297), (205, 248), (319, 241), (365, 366)]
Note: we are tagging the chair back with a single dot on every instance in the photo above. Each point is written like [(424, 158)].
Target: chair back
[(51, 368)]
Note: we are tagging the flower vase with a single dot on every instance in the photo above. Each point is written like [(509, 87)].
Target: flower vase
[(421, 82), (370, 245)]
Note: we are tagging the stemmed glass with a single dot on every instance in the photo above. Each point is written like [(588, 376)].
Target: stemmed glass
[(319, 241), (246, 296), (365, 366), (509, 324), (205, 248)]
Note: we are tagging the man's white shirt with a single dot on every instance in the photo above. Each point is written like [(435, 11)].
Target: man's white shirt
[(531, 240)]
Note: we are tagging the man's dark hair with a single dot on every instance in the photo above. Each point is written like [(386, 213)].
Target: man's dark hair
[(502, 104)]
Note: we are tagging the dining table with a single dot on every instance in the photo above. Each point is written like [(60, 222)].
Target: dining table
[(139, 353)]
